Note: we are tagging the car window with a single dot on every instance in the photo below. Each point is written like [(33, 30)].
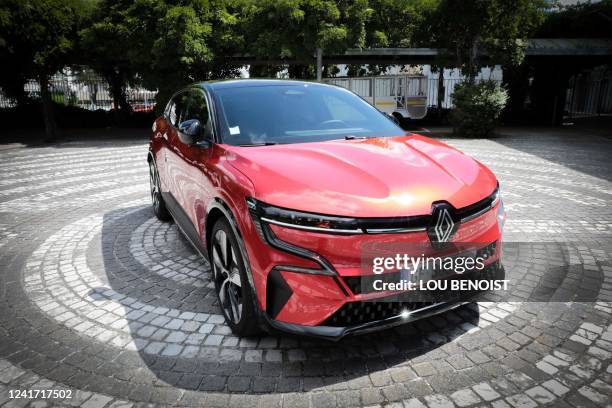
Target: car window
[(298, 113), (198, 109), (170, 112), (340, 110), (180, 108)]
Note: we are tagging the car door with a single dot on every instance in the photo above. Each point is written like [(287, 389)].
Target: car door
[(196, 188), (163, 129), (174, 157)]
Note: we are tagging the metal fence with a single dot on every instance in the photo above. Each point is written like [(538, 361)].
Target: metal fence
[(362, 87), (589, 94), (92, 93)]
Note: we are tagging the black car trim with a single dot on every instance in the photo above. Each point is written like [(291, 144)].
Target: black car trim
[(337, 333), (220, 205), (184, 223), (307, 271), (278, 292)]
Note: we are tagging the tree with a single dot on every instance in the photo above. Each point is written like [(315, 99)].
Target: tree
[(105, 46), (36, 40), (582, 20), (396, 23), (295, 29), (173, 44), (466, 29)]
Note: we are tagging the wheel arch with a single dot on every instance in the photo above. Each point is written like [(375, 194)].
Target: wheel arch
[(217, 209)]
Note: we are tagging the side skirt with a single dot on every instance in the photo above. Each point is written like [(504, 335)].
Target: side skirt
[(184, 224)]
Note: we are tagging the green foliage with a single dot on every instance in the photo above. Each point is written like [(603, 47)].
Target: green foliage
[(467, 28), (162, 44), (582, 20), (395, 23), (37, 38), (478, 107), (294, 29)]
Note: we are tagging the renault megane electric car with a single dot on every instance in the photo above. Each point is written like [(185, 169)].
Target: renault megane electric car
[(280, 184)]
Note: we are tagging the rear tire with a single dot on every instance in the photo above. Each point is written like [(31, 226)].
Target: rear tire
[(234, 292), (159, 205)]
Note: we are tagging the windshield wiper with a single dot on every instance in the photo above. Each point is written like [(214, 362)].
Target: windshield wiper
[(353, 137), (258, 144)]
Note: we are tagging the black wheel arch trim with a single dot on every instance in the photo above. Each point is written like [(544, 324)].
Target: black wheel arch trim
[(218, 204)]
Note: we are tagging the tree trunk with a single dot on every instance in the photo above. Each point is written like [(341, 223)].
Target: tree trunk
[(472, 68), (47, 107), (118, 92)]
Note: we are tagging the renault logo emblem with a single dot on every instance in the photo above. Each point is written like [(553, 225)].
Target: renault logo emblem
[(443, 225)]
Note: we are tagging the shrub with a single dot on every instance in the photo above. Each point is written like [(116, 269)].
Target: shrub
[(478, 107)]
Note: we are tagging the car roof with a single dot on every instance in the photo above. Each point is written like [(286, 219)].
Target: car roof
[(245, 83)]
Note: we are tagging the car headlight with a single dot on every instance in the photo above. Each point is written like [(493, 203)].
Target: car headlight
[(302, 220)]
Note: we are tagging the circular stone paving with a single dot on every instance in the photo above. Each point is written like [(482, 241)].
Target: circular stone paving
[(99, 297)]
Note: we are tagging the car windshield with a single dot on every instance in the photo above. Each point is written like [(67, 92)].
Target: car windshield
[(298, 113)]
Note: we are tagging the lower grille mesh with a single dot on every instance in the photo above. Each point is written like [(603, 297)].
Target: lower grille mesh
[(356, 313)]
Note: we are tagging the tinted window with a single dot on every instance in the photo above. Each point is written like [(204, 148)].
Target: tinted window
[(198, 109), (180, 108), (298, 113)]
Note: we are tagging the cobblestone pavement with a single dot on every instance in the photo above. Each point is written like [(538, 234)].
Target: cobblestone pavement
[(98, 297)]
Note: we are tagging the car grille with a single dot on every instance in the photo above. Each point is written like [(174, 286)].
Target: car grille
[(364, 284), (360, 312), (356, 313)]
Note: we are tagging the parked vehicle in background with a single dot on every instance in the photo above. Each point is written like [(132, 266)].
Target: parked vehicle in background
[(143, 106), (401, 96)]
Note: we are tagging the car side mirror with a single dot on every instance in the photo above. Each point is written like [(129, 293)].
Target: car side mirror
[(394, 119), (190, 131)]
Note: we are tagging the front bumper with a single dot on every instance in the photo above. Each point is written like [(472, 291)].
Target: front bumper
[(310, 300), (336, 333)]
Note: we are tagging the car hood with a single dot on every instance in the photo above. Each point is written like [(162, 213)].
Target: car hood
[(376, 177)]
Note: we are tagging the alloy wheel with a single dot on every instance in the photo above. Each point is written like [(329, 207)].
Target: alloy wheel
[(153, 183), (227, 276)]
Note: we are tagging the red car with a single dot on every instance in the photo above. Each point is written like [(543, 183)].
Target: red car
[(280, 184)]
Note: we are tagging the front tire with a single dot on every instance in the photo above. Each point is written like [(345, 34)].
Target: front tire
[(159, 205), (231, 282)]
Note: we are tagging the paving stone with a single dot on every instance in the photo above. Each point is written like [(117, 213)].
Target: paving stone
[(594, 395), (465, 398), (556, 387), (96, 401), (486, 392), (101, 296), (540, 395), (438, 401), (521, 401)]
